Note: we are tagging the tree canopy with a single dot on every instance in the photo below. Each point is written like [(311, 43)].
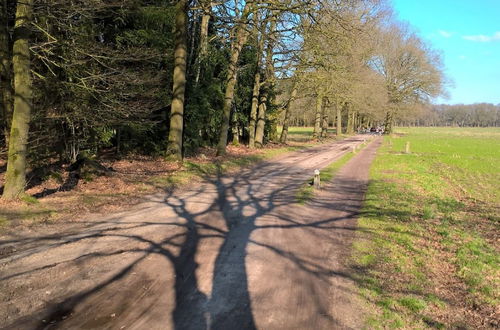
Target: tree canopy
[(167, 77)]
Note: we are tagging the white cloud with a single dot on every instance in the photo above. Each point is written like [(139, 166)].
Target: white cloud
[(445, 34), (483, 38), (462, 57)]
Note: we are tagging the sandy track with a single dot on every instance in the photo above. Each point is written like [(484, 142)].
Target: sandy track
[(232, 253)]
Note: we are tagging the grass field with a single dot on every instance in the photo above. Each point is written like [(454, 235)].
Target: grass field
[(427, 252)]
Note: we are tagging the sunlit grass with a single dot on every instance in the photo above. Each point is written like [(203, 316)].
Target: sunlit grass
[(431, 209)]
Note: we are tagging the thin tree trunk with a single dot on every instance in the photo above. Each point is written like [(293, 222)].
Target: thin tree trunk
[(253, 109), (179, 81), (205, 20), (15, 178), (119, 140), (339, 119), (288, 113), (324, 122), (256, 91), (389, 121), (317, 118), (241, 37), (5, 72), (349, 127), (235, 130), (261, 120)]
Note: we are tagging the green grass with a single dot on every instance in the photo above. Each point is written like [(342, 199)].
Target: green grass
[(306, 191), (302, 134), (431, 210)]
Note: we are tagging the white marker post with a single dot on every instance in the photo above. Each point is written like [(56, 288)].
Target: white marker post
[(317, 180)]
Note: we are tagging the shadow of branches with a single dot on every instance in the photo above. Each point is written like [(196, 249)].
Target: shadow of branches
[(224, 209)]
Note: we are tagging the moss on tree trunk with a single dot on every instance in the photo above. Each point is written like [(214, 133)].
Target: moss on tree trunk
[(179, 82), (389, 121), (15, 178), (5, 71)]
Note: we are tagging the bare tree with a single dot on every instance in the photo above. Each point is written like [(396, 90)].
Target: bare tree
[(411, 70)]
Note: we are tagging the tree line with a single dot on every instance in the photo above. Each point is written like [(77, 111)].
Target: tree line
[(167, 77), (462, 115)]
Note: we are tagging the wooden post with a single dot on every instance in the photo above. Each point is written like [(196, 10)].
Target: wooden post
[(317, 180), (354, 149), (407, 147)]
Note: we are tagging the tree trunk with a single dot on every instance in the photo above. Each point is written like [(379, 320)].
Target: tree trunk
[(288, 113), (253, 110), (324, 122), (268, 85), (179, 81), (235, 130), (205, 20), (15, 178), (349, 128), (389, 121), (273, 129), (5, 72), (317, 118), (118, 140), (256, 91), (261, 120), (232, 75), (339, 119)]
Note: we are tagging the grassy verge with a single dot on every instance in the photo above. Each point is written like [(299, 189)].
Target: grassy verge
[(306, 191), (426, 255)]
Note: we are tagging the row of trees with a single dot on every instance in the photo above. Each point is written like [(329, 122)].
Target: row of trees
[(166, 77), (472, 115)]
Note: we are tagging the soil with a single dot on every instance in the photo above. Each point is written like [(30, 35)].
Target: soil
[(232, 252)]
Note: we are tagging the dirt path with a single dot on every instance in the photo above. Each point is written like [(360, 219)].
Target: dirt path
[(234, 253)]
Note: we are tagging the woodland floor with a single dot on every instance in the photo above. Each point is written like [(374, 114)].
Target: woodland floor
[(229, 251)]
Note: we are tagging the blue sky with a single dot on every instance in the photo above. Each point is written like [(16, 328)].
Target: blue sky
[(467, 32)]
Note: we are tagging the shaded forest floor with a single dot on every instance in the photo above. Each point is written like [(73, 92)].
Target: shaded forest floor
[(54, 192)]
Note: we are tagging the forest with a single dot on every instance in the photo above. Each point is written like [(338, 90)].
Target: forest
[(164, 78)]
